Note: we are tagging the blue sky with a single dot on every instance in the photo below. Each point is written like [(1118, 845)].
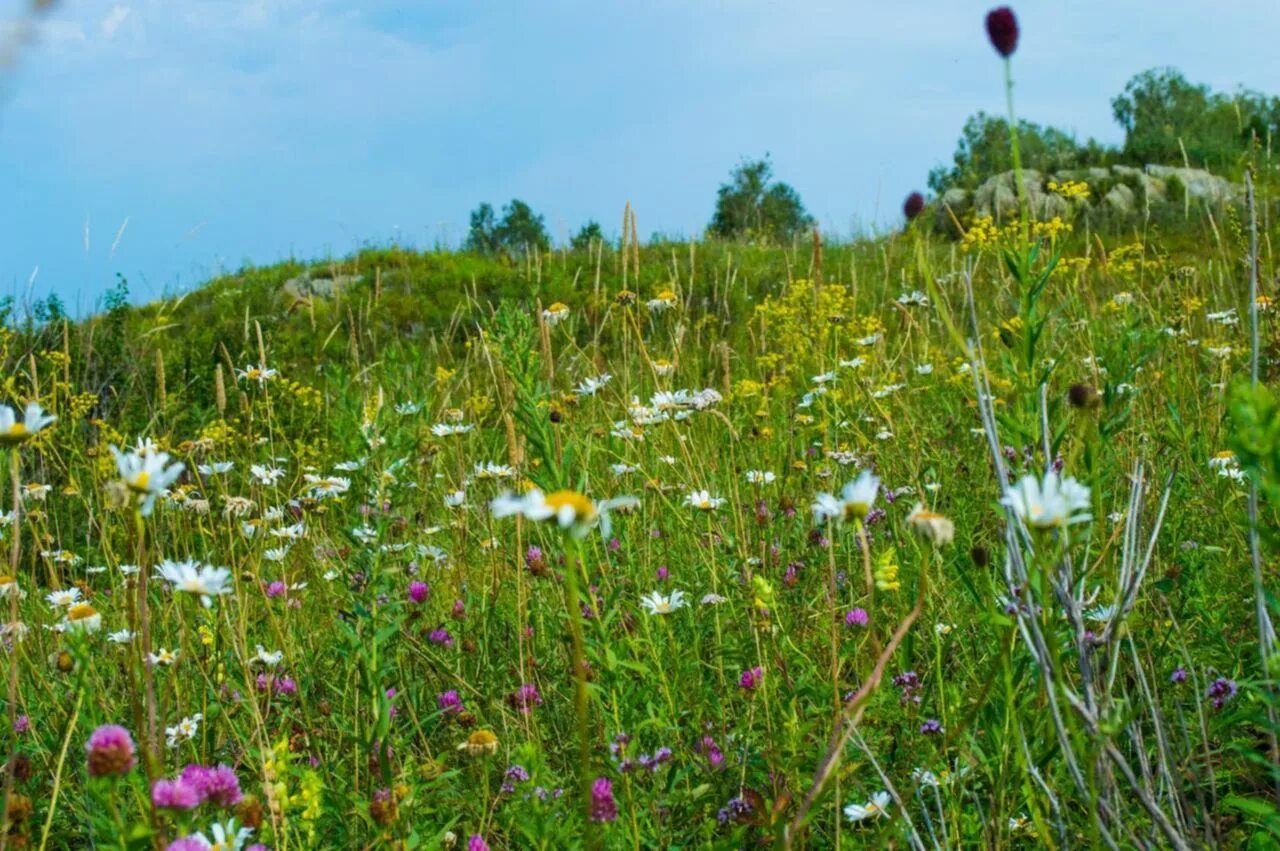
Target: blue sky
[(232, 131)]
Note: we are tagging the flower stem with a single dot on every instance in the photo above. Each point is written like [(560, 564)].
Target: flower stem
[(574, 611)]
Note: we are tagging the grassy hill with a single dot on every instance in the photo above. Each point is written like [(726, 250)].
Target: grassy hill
[(753, 670)]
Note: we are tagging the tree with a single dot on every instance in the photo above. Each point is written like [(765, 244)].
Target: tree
[(483, 236), (1165, 118), (751, 206), (586, 236), (519, 230), (983, 150)]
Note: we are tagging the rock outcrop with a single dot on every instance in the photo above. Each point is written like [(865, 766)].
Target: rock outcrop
[(1119, 191)]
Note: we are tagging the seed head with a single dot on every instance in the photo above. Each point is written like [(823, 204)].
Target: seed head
[(913, 206), (1002, 29)]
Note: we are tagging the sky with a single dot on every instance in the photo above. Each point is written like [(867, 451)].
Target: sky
[(167, 141)]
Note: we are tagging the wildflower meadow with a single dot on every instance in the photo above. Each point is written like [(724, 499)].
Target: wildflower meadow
[(923, 540)]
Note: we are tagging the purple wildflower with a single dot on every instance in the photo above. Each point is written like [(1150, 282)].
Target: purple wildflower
[(1221, 691), (856, 617), (449, 702), (111, 751), (603, 807), (174, 795)]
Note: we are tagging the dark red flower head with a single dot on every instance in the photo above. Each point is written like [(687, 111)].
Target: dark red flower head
[(1002, 29), (913, 206)]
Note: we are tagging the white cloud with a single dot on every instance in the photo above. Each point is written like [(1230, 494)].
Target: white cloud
[(113, 20)]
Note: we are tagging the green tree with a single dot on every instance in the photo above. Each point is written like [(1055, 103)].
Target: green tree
[(586, 236), (751, 205), (983, 150), (1165, 116), (519, 230), (482, 238)]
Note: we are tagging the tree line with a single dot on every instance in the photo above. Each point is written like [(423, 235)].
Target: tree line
[(1166, 119)]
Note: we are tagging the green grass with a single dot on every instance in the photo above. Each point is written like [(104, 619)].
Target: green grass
[(334, 761)]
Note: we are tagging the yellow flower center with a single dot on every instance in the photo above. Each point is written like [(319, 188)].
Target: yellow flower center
[(81, 611), (140, 481), (583, 509)]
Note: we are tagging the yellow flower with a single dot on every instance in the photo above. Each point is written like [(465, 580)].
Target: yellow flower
[(886, 572)]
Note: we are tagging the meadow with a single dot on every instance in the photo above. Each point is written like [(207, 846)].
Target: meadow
[(909, 541)]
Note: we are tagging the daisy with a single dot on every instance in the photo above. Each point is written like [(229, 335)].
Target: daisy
[(146, 472), (260, 374), (81, 617), (854, 501), (195, 578), (63, 599), (14, 431), (163, 657), (1225, 458), (455, 499), (555, 313), (490, 470), (123, 636), (656, 604), (451, 429), (760, 477), (405, 409), (877, 807), (266, 475), (570, 509), (664, 301), (1053, 503), (591, 386), (931, 525), (271, 659), (323, 486), (703, 501), (290, 533), (184, 731), (223, 837), (217, 468)]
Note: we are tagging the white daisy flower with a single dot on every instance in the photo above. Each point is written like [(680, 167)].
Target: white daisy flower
[(703, 501), (571, 510), (14, 431), (877, 807), (854, 502), (656, 603), (1052, 503)]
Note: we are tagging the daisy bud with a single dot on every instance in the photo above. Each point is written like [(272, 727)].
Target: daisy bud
[(1002, 29), (913, 206)]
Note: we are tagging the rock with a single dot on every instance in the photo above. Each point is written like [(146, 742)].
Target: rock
[(304, 287), (952, 207), (1154, 190), (1119, 200), (998, 197), (1199, 184)]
